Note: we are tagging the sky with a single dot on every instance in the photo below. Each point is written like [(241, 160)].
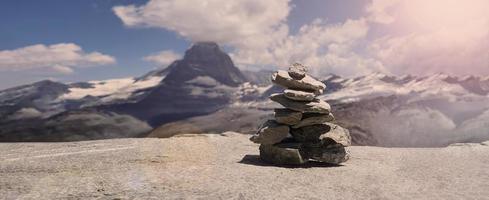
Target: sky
[(80, 40)]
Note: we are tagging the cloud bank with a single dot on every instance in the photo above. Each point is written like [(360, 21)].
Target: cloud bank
[(418, 37), (57, 58), (213, 20), (258, 33), (446, 36), (163, 58)]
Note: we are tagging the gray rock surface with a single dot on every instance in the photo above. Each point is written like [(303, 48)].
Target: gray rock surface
[(282, 154), (310, 133), (228, 167), (299, 95), (328, 133), (314, 118), (338, 134), (333, 154), (316, 106), (287, 116), (297, 71), (308, 83), (270, 133)]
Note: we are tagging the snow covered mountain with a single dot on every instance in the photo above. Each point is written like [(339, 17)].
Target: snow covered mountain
[(413, 111), (205, 92), (378, 109), (204, 81)]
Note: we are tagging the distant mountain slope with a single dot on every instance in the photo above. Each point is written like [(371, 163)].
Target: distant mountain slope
[(38, 97), (378, 109), (204, 59), (204, 81), (73, 126), (205, 92)]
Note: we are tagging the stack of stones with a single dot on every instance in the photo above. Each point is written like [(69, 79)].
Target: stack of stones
[(304, 129)]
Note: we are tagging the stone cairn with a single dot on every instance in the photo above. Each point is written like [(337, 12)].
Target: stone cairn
[(304, 129)]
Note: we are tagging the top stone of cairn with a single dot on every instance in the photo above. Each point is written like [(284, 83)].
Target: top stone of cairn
[(297, 71), (306, 84)]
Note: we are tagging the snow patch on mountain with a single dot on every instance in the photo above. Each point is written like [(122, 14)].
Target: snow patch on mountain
[(203, 81), (206, 86), (381, 85), (112, 89), (25, 113)]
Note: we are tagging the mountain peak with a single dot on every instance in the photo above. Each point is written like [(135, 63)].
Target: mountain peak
[(205, 45), (203, 50), (205, 59)]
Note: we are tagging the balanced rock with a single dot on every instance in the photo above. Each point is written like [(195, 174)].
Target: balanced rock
[(314, 118), (307, 83), (301, 131), (333, 154), (338, 134), (282, 154), (270, 133), (310, 133), (299, 95), (315, 106), (287, 116), (326, 133), (297, 71)]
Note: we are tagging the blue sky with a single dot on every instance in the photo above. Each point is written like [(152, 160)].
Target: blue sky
[(92, 25), (89, 23), (351, 39)]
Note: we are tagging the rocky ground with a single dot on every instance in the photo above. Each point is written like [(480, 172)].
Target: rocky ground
[(227, 167)]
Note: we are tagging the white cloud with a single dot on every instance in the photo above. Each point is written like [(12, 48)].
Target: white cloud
[(428, 53), (163, 58), (378, 11), (60, 58), (220, 21), (326, 48), (258, 32), (62, 69), (419, 37), (447, 36)]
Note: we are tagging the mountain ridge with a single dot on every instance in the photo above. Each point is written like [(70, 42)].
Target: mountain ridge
[(378, 109)]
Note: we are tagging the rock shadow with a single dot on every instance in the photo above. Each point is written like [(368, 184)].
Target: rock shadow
[(257, 161)]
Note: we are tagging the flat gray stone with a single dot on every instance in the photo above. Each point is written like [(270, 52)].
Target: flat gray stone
[(310, 133), (271, 132), (314, 118), (282, 154), (299, 95), (338, 134), (315, 106), (297, 71), (333, 154), (287, 116), (326, 133), (307, 84)]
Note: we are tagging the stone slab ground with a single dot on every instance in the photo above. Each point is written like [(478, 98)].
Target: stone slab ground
[(227, 167)]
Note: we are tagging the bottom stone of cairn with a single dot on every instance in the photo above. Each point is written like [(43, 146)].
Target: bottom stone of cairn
[(291, 153), (332, 154), (282, 154)]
